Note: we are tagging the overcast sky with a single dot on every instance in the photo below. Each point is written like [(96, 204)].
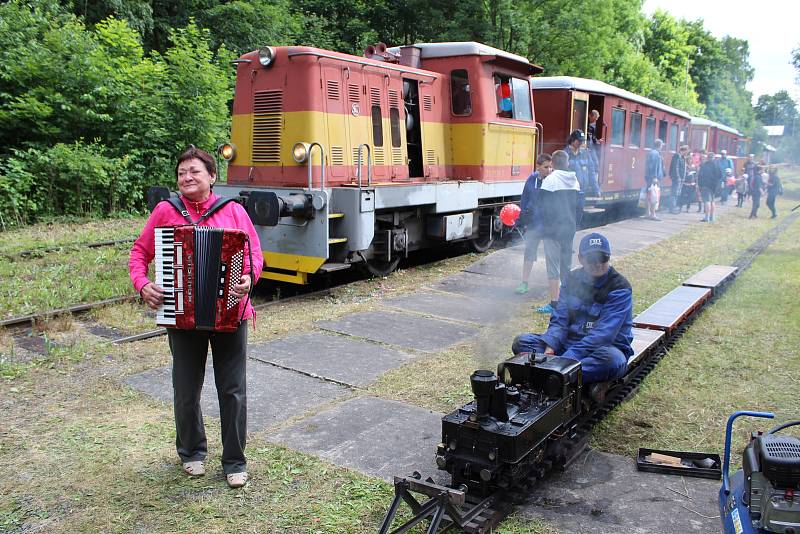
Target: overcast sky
[(770, 26)]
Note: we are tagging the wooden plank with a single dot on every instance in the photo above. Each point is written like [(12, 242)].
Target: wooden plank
[(671, 309), (712, 276), (643, 340)]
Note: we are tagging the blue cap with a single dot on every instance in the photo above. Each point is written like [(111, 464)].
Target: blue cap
[(594, 242)]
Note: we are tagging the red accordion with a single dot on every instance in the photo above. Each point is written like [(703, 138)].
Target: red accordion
[(197, 266)]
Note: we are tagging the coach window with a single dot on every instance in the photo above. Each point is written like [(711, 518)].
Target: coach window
[(650, 132), (662, 131), (636, 130), (617, 126), (460, 92), (673, 138)]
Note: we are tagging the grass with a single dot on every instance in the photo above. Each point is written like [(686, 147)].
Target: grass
[(87, 453)]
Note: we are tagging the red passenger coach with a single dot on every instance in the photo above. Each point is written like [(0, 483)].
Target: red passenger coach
[(708, 136), (358, 160), (629, 125)]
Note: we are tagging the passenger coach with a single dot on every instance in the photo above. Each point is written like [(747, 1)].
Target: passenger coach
[(359, 160), (629, 126)]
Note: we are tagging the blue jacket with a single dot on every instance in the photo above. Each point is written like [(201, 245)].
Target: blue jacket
[(592, 314), (654, 167), (583, 164), (529, 216), (725, 163)]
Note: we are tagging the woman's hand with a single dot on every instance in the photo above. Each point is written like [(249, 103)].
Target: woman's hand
[(241, 289), (152, 295)]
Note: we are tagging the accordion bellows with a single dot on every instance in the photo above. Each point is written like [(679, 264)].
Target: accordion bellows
[(197, 267)]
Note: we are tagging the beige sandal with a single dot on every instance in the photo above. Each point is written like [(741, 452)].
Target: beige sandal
[(194, 469), (237, 480)]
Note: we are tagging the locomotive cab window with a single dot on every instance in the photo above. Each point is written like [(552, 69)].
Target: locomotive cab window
[(617, 126), (650, 132), (513, 96), (460, 91), (635, 138)]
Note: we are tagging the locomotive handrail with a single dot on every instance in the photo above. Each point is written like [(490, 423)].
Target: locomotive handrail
[(540, 138), (369, 165), (365, 63), (311, 168), (512, 125)]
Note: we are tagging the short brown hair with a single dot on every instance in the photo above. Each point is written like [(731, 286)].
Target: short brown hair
[(195, 153), (543, 158), (560, 160)]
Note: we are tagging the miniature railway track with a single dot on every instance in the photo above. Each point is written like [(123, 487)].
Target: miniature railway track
[(67, 246), (451, 508)]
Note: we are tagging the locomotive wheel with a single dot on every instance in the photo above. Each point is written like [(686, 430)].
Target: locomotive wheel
[(481, 244), (380, 268)]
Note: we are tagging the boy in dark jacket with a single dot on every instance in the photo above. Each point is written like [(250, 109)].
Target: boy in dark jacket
[(530, 218), (594, 318)]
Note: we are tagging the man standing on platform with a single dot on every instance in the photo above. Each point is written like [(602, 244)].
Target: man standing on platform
[(653, 173), (710, 181), (677, 173)]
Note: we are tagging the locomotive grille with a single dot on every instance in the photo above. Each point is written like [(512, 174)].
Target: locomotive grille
[(375, 96), (394, 99), (427, 103), (353, 93), (379, 156), (337, 155), (333, 90), (430, 157), (397, 156), (267, 126)]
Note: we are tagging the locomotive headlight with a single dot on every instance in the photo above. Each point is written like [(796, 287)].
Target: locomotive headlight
[(300, 152), (266, 56), (227, 151)]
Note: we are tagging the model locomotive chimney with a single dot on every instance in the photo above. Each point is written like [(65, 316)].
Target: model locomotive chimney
[(483, 383)]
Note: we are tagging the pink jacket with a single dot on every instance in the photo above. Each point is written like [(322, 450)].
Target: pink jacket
[(232, 215)]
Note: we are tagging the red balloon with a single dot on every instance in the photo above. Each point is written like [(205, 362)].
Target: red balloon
[(505, 90), (509, 214)]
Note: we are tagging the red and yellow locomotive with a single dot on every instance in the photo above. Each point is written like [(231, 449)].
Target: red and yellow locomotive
[(360, 160)]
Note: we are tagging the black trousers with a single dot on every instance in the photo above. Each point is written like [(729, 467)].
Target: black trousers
[(229, 356), (756, 203), (771, 204)]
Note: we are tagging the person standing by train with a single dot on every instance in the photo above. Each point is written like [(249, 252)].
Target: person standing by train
[(593, 320), (557, 201), (750, 168), (530, 217), (741, 189), (594, 135), (678, 168), (724, 163), (756, 190), (710, 182), (196, 173), (653, 173), (583, 163), (774, 188)]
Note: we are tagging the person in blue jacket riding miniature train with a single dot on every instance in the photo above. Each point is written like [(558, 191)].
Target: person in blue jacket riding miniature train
[(594, 318)]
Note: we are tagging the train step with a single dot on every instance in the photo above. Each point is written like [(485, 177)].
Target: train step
[(335, 215), (336, 240), (594, 210), (332, 266)]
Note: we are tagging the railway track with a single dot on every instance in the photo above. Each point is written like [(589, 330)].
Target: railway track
[(453, 508), (61, 248)]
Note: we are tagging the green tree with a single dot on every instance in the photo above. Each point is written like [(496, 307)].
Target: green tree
[(780, 109)]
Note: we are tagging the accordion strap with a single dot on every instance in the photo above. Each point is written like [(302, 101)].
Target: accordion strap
[(178, 204)]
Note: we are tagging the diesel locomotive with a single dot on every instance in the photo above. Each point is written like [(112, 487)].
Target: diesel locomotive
[(357, 161)]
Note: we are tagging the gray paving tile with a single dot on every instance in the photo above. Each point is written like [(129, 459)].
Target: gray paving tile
[(379, 437), (273, 394), (401, 329), (341, 358), (486, 287), (453, 306), (605, 494)]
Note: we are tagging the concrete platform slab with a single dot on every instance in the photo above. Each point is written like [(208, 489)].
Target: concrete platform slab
[(375, 436), (338, 357), (401, 329), (604, 494), (452, 306), (487, 287), (273, 394)]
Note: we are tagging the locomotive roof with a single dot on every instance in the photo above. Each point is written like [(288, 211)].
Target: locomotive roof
[(595, 86), (700, 121), (465, 48)]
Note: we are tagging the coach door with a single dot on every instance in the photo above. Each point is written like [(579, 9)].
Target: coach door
[(580, 111), (336, 119)]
